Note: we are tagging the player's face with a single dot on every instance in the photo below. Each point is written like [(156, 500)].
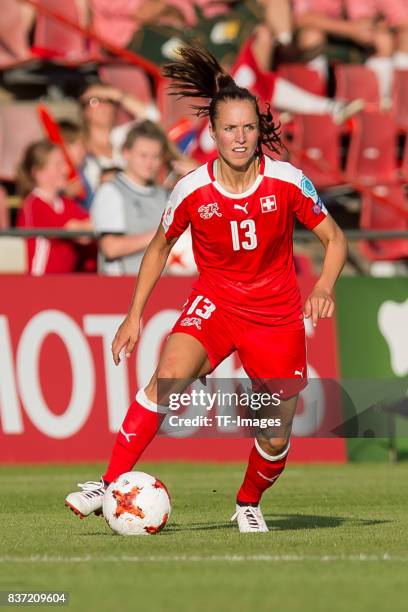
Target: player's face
[(144, 159), (53, 174), (236, 131)]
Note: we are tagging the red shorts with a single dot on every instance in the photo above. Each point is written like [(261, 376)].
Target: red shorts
[(267, 353)]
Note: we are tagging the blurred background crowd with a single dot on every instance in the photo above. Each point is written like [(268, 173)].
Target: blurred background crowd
[(91, 142)]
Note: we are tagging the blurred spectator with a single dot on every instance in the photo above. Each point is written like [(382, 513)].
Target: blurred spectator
[(103, 140), (118, 22), (252, 70), (368, 23), (74, 139), (154, 28), (278, 19), (127, 210), (42, 176)]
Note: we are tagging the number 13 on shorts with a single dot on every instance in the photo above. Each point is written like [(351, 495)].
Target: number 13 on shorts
[(249, 227), (206, 309)]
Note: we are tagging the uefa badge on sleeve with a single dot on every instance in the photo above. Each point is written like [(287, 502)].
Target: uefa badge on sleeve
[(268, 204), (318, 207), (308, 189)]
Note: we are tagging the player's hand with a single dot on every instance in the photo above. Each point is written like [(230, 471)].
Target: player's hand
[(319, 305), (126, 337)]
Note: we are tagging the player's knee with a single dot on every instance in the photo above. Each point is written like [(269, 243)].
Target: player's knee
[(273, 446), (169, 370)]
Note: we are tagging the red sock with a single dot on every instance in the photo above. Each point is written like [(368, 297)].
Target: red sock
[(138, 430), (262, 472)]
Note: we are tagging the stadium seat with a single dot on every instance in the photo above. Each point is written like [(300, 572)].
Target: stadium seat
[(304, 77), (404, 165), (130, 79), (372, 154), (13, 256), (58, 41), (19, 126), (303, 264), (378, 213), (315, 149), (173, 109), (400, 99), (353, 82)]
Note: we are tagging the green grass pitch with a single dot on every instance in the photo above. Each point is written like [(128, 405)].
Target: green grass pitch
[(337, 541)]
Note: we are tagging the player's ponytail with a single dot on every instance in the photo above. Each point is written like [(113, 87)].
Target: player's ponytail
[(197, 74)]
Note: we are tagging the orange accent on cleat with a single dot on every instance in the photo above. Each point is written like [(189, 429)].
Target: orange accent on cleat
[(75, 510)]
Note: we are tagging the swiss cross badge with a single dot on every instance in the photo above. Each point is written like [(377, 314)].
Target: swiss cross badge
[(268, 204), (208, 210)]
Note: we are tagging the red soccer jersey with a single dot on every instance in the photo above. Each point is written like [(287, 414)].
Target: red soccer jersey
[(45, 255), (243, 242)]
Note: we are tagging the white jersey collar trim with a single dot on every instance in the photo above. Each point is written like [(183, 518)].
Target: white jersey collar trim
[(236, 196)]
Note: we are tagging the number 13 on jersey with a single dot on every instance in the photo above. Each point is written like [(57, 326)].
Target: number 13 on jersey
[(248, 231)]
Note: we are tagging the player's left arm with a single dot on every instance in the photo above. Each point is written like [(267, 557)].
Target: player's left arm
[(320, 302)]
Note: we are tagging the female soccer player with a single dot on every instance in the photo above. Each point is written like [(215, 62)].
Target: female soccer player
[(241, 209)]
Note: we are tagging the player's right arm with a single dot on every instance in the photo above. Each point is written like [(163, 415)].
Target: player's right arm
[(175, 220), (151, 268)]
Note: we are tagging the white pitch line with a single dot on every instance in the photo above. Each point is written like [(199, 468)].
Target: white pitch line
[(201, 558)]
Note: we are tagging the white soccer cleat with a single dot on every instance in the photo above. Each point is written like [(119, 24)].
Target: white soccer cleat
[(250, 519), (89, 500)]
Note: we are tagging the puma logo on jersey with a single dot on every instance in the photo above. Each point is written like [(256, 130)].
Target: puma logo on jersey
[(208, 210), (127, 435), (299, 373), (268, 204), (244, 207), (266, 477)]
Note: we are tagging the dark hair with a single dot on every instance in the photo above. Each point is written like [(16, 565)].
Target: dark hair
[(145, 129), (198, 75), (35, 157), (70, 131)]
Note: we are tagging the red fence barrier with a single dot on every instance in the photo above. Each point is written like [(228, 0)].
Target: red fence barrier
[(62, 398)]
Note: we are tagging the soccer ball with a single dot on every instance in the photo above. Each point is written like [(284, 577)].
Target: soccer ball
[(136, 504)]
